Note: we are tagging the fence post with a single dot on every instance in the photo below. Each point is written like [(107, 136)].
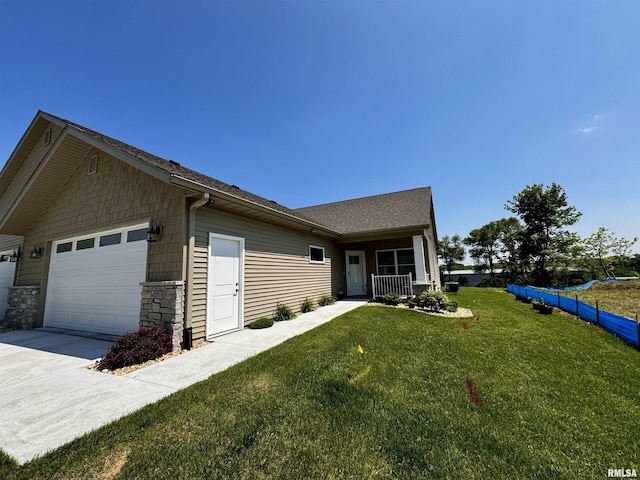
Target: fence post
[(597, 313), (637, 332), (558, 298), (577, 306)]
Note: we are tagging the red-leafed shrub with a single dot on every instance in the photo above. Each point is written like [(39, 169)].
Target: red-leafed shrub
[(135, 348)]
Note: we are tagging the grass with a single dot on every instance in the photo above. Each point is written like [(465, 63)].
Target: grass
[(513, 395), (621, 298)]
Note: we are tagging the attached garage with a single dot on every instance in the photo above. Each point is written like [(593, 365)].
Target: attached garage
[(94, 281)]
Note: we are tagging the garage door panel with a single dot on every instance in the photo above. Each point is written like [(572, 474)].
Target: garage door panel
[(97, 289)]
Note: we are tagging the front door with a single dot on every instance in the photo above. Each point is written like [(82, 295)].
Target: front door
[(224, 297), (356, 273)]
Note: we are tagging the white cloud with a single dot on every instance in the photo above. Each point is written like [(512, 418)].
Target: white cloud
[(593, 127)]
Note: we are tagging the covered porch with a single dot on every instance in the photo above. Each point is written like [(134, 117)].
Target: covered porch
[(389, 265)]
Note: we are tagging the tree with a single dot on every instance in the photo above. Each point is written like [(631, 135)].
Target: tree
[(545, 243), (488, 242), (450, 251), (604, 249)]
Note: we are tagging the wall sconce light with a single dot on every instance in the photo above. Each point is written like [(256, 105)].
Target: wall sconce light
[(37, 251), (15, 255), (154, 232), (313, 231)]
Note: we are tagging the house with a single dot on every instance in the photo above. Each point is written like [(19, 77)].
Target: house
[(115, 239)]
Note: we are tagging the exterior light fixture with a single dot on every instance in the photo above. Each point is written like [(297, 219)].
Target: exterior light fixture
[(4, 258), (37, 251), (15, 255), (154, 232)]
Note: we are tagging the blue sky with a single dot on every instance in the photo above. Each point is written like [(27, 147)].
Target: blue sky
[(308, 102)]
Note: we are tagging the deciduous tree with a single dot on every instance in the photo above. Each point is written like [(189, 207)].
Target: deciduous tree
[(450, 251), (545, 242)]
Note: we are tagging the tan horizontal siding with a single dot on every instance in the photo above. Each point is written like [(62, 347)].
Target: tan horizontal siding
[(276, 269)]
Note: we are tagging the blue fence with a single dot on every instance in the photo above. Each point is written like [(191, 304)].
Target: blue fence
[(623, 327)]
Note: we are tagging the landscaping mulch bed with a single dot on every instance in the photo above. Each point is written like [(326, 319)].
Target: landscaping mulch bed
[(460, 313), (133, 368)]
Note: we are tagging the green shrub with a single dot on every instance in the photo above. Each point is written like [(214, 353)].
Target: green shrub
[(135, 348), (452, 306), (283, 312), (264, 322), (308, 305), (492, 282), (326, 300), (391, 299), (433, 300)]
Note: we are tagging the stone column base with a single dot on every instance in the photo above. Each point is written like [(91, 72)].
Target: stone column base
[(162, 305), (22, 307)]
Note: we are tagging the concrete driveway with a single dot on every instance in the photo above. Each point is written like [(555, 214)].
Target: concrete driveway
[(48, 397)]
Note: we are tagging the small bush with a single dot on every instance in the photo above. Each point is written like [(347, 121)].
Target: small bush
[(326, 300), (433, 300), (308, 305), (135, 348), (283, 312), (264, 322), (391, 299), (492, 282), (452, 306)]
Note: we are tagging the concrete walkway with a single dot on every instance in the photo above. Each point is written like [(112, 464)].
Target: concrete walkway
[(48, 397)]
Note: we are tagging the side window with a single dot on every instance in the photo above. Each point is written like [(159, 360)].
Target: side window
[(316, 254)]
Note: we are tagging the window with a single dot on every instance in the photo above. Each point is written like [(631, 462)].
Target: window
[(113, 239), (64, 247), (396, 262), (316, 254), (86, 243), (137, 235)]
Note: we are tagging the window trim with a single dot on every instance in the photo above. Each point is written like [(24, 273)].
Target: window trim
[(319, 262)]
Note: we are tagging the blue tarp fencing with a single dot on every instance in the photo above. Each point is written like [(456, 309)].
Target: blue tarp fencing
[(625, 328)]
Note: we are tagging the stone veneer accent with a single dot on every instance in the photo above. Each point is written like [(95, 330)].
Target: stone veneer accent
[(162, 305), (22, 307)]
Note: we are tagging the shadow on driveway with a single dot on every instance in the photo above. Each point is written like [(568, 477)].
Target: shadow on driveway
[(57, 342)]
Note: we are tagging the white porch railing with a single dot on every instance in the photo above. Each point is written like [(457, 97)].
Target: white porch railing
[(400, 284)]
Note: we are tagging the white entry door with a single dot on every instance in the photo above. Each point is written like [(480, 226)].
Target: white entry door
[(356, 273), (225, 286)]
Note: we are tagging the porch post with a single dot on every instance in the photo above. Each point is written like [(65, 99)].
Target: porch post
[(418, 256)]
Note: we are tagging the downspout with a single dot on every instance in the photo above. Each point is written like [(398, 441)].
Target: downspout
[(188, 332)]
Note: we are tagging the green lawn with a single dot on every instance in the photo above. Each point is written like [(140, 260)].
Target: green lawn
[(558, 399)]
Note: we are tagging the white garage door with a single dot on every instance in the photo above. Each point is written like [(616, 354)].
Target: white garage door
[(94, 281), (7, 271)]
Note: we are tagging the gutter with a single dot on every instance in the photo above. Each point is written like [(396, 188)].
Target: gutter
[(188, 314)]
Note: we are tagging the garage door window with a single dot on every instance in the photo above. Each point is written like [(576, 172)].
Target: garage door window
[(64, 247), (136, 235), (113, 239), (85, 244)]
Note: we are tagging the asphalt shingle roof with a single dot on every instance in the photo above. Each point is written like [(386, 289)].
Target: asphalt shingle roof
[(405, 209), (408, 208)]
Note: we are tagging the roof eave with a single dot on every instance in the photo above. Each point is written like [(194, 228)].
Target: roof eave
[(395, 232), (191, 184)]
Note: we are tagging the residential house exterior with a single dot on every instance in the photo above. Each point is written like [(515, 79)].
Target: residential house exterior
[(114, 238)]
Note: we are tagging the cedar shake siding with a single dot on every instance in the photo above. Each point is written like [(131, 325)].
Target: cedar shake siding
[(116, 195), (276, 269)]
